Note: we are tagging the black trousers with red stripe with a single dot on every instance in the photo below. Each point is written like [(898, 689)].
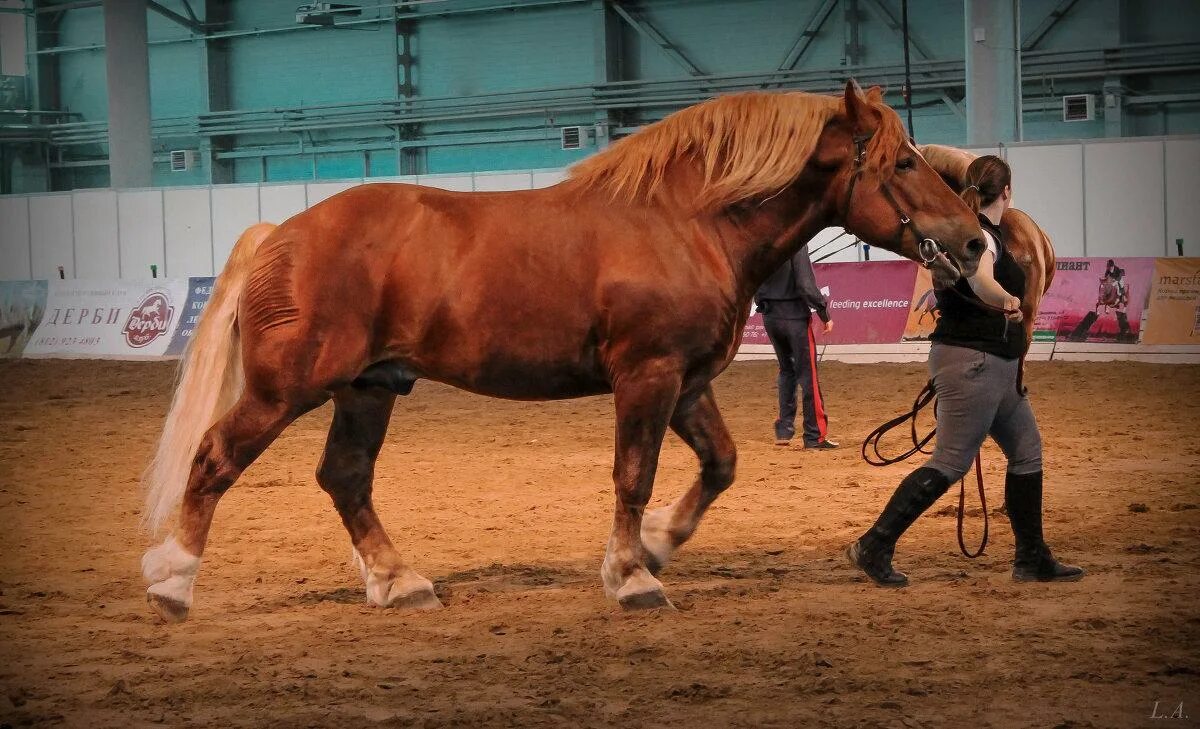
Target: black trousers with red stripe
[(795, 348)]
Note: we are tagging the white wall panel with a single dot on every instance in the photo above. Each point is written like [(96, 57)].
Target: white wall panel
[(14, 238), (51, 236), (1183, 195), (827, 243), (460, 183), (882, 254), (97, 240), (320, 191), (277, 203), (501, 182), (1048, 184), (140, 216), (234, 208), (188, 224), (546, 178), (1123, 184)]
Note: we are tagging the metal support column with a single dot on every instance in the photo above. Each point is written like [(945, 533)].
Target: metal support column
[(606, 55), (214, 85), (408, 157), (127, 58), (993, 67), (852, 51)]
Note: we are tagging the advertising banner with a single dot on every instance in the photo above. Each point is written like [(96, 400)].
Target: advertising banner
[(868, 302), (22, 304), (1095, 300), (754, 333), (109, 318), (198, 293), (1174, 302)]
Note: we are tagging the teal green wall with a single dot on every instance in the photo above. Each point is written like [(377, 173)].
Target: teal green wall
[(536, 48)]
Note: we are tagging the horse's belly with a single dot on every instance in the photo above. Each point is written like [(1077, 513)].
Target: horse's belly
[(522, 381)]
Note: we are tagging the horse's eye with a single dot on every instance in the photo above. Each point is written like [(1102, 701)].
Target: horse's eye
[(906, 163)]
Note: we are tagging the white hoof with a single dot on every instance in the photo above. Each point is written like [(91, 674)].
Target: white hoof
[(415, 593), (409, 590), (171, 570), (643, 592)]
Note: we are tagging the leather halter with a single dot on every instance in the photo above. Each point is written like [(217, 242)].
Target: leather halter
[(928, 248)]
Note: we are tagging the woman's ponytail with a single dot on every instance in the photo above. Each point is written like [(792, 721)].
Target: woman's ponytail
[(987, 176)]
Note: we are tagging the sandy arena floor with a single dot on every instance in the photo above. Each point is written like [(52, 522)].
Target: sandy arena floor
[(506, 507)]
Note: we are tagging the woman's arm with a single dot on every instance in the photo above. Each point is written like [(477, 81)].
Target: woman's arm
[(989, 291)]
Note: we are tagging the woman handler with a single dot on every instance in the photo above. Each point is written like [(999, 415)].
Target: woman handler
[(973, 363)]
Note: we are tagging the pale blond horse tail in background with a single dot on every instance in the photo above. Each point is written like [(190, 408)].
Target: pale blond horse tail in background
[(208, 383)]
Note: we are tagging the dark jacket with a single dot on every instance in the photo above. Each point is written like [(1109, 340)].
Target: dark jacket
[(965, 324), (791, 292)]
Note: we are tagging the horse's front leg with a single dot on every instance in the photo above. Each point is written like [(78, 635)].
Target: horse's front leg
[(645, 399)]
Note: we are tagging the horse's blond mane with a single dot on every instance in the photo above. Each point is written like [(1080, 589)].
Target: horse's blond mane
[(744, 145)]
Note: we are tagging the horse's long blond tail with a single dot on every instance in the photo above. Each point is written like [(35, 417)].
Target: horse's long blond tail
[(208, 383)]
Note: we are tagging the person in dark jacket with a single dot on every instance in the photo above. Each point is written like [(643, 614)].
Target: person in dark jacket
[(786, 301), (973, 364)]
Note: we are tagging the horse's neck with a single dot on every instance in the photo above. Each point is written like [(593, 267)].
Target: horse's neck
[(762, 237), (757, 236)]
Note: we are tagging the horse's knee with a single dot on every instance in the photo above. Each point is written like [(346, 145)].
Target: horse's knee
[(346, 477), (213, 473), (718, 472)]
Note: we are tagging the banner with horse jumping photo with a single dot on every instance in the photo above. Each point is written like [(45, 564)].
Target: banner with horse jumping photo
[(1095, 300)]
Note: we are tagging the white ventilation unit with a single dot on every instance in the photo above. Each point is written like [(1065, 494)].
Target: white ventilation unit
[(183, 160), (1079, 107), (572, 137)]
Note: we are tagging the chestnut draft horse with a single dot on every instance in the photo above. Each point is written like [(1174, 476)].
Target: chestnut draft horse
[(634, 277), (1025, 239)]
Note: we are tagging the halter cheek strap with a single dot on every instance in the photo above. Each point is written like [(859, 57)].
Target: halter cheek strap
[(928, 248)]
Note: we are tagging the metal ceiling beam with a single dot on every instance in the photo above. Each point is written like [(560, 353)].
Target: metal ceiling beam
[(643, 26), (60, 7), (1049, 22), (191, 24), (808, 35), (884, 14)]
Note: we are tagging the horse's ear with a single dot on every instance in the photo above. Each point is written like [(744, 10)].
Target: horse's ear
[(875, 95), (857, 107)]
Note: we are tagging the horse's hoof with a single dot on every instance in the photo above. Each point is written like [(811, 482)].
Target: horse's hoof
[(642, 592), (420, 599), (169, 610), (652, 600), (413, 593)]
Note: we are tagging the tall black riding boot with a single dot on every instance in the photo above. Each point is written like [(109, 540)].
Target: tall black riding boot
[(1126, 333), (1080, 332), (872, 553), (1034, 562)]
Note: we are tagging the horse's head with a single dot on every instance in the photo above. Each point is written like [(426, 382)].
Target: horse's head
[(887, 195)]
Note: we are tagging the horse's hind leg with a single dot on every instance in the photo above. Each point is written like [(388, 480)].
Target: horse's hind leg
[(699, 424), (228, 448), (360, 421)]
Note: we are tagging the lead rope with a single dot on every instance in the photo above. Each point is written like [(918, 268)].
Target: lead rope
[(924, 398)]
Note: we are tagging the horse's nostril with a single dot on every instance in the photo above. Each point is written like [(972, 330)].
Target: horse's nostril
[(976, 247)]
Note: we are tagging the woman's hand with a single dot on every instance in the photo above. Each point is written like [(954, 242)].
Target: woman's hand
[(1013, 306)]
